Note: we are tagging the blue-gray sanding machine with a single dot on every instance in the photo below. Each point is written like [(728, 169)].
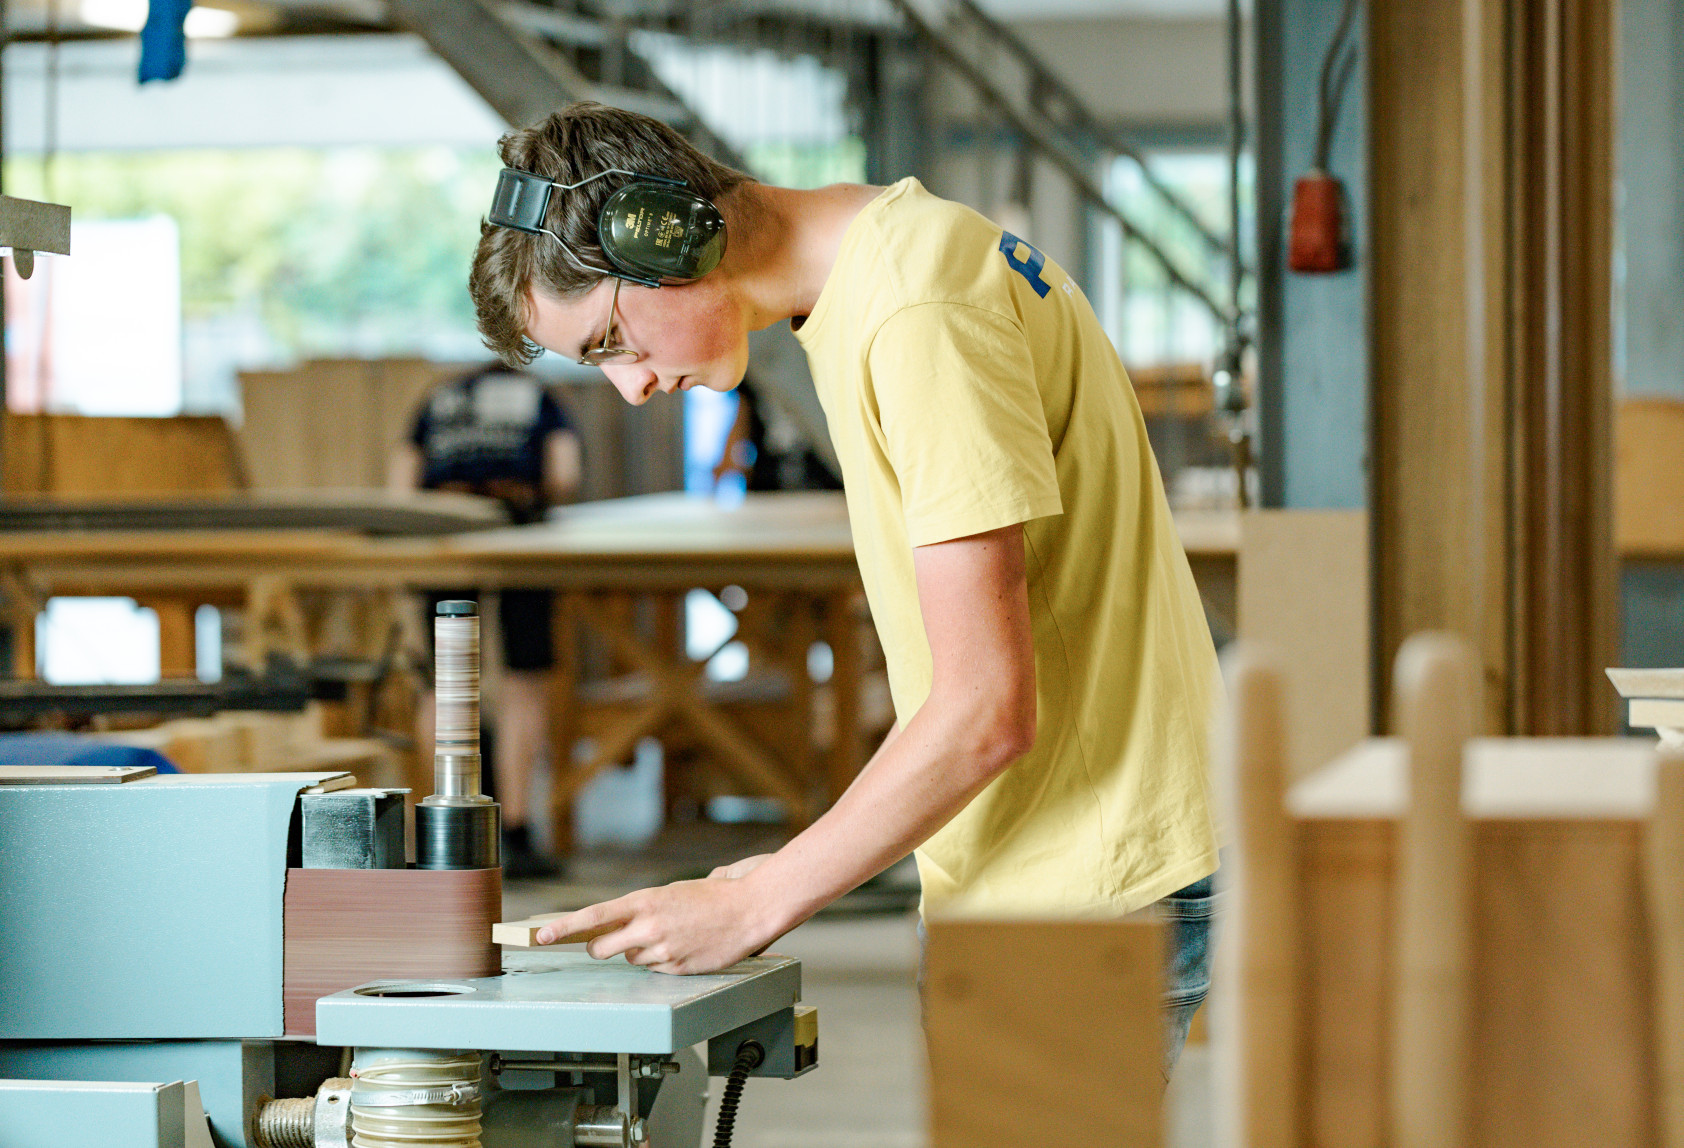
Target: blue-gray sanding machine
[(147, 977)]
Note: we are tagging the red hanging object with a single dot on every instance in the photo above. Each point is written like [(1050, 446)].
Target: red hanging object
[(1316, 241), (1315, 245)]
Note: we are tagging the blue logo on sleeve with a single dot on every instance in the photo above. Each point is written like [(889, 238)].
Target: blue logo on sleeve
[(1029, 268)]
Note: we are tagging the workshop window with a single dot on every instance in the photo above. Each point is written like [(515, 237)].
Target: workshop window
[(1152, 322)]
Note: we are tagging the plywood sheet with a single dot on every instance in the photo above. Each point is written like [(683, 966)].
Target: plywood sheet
[(1056, 1021), (1304, 596)]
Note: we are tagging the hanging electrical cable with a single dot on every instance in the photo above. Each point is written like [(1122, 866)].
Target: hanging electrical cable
[(1228, 375), (749, 1057)]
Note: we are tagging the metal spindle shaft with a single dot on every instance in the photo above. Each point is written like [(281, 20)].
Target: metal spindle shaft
[(457, 827), (456, 762)]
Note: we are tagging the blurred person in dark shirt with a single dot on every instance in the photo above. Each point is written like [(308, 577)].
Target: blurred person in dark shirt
[(501, 434), (768, 450)]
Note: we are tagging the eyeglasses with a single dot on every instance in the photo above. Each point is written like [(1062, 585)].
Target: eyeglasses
[(602, 353)]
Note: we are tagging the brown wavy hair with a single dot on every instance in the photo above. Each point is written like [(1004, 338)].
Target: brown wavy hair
[(577, 141)]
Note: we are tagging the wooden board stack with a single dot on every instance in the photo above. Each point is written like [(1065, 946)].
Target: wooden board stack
[(347, 927), (332, 422), (238, 741), (1654, 700)]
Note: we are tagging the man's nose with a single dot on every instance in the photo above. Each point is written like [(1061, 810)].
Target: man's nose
[(634, 382)]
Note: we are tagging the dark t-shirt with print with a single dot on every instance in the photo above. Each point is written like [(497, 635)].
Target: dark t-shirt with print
[(489, 426)]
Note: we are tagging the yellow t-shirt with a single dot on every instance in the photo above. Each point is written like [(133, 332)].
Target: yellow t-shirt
[(968, 386)]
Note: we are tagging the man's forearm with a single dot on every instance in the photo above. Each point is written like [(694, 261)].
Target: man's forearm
[(922, 776)]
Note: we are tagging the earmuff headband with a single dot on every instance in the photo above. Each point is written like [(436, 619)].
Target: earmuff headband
[(654, 230)]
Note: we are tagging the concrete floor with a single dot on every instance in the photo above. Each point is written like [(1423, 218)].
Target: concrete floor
[(859, 969)]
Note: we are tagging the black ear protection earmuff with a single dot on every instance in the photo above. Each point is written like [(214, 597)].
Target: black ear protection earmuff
[(654, 230)]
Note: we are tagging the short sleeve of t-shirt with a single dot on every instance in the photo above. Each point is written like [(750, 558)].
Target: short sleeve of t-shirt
[(963, 425)]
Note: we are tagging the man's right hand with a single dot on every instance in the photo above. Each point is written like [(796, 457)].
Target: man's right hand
[(741, 868)]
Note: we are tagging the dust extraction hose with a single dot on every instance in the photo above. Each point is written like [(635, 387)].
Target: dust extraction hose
[(749, 1056)]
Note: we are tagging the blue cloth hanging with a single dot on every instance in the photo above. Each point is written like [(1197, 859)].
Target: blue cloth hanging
[(72, 749), (163, 41)]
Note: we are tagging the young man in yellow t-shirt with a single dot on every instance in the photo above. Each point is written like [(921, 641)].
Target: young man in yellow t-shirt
[(1051, 668)]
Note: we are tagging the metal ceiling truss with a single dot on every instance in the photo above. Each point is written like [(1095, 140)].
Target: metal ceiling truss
[(1054, 123)]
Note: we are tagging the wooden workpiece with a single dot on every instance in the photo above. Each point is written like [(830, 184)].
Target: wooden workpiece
[(1319, 626), (1648, 473), (1654, 700), (523, 934), (1664, 884), (73, 774)]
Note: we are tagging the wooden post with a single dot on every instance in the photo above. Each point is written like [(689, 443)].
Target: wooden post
[(1254, 1027), (1565, 575), (1664, 865), (1435, 694), (23, 605), (178, 646), (1491, 206)]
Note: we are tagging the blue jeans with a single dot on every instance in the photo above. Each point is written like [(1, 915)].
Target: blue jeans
[(1186, 916)]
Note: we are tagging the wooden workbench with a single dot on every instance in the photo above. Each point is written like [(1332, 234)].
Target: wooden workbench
[(791, 552)]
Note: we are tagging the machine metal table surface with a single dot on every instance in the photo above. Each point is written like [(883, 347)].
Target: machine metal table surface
[(561, 1002)]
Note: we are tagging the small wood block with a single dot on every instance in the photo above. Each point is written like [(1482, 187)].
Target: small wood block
[(72, 774), (524, 934), (347, 927)]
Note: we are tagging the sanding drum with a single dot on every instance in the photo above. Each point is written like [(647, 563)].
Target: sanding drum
[(458, 827)]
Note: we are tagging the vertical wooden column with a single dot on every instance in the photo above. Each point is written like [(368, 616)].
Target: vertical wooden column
[(1439, 427), (1491, 130), (177, 634), (1255, 1030), (1561, 403), (1431, 1015)]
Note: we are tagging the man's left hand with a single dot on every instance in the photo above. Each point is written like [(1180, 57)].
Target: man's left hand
[(686, 927)]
